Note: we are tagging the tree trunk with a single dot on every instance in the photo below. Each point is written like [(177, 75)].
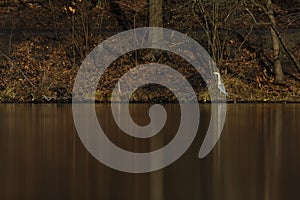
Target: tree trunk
[(276, 43), (155, 13), (155, 18)]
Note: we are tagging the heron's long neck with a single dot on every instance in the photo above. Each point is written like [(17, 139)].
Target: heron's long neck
[(219, 78)]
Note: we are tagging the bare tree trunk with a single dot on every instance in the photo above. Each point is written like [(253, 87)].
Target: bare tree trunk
[(276, 43), (155, 18), (155, 13)]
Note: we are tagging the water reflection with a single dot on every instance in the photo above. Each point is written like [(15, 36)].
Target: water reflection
[(257, 156)]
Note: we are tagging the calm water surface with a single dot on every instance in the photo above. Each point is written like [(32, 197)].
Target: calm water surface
[(257, 156)]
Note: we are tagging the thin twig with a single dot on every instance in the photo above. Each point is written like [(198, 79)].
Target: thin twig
[(251, 29), (252, 16), (259, 5), (53, 17), (289, 54), (231, 12), (10, 39), (18, 68), (73, 38), (246, 37), (3, 81)]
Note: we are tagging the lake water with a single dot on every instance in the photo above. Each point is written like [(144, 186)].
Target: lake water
[(257, 156)]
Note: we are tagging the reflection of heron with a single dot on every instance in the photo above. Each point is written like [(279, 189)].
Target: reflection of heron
[(220, 84)]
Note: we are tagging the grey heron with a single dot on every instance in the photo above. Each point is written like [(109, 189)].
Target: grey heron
[(220, 84)]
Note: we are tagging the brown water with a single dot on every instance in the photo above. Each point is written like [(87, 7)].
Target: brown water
[(257, 156)]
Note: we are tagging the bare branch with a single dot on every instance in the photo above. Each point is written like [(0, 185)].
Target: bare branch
[(289, 54), (19, 69)]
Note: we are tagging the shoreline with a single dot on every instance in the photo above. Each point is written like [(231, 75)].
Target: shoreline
[(149, 102)]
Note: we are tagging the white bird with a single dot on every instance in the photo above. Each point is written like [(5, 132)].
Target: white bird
[(119, 87), (220, 84)]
